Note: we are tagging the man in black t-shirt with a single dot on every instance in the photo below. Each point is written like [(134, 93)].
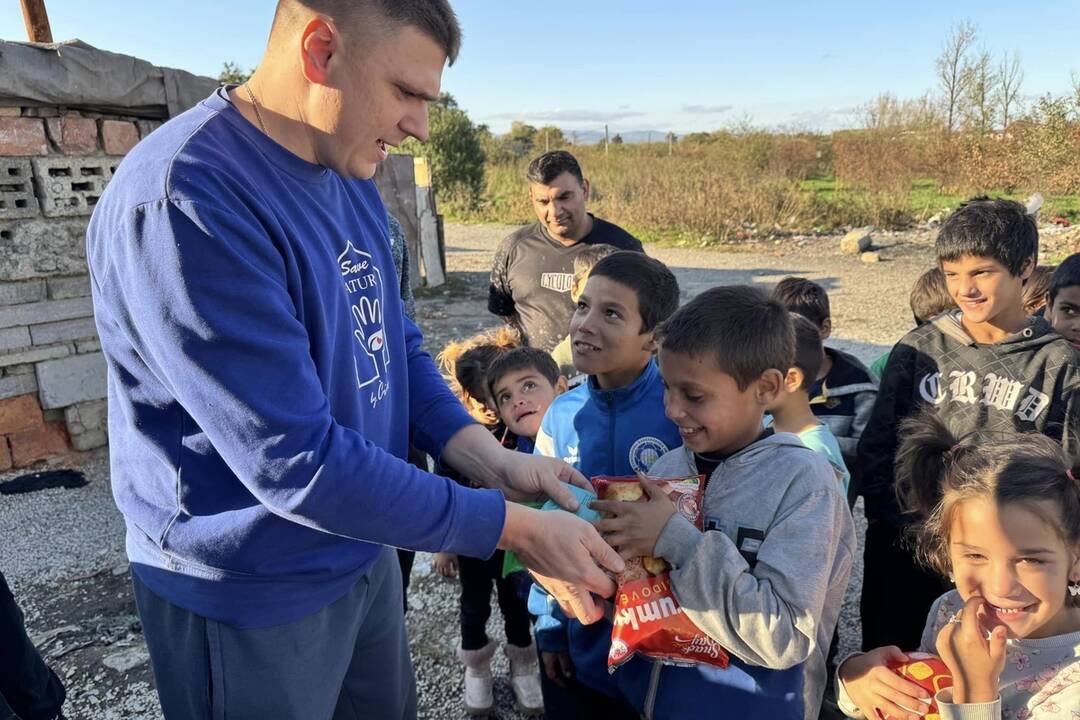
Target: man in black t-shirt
[(534, 266)]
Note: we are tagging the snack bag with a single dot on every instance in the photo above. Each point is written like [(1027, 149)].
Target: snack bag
[(928, 672), (648, 619)]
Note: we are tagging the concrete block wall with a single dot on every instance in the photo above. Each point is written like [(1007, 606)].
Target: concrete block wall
[(54, 164)]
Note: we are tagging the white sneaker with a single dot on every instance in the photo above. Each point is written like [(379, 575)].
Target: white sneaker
[(525, 678), (479, 698)]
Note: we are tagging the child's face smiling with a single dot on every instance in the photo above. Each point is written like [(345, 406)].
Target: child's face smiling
[(605, 333), (712, 413), (1064, 314), (986, 291), (522, 397), (1013, 558)]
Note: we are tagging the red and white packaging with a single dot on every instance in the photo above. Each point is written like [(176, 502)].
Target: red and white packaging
[(648, 619)]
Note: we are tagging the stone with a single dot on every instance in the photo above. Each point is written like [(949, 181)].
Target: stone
[(19, 293), (34, 355), (40, 443), (62, 288), (870, 257), (21, 412), (71, 186), (17, 198), (12, 338), (41, 111), (63, 331), (89, 440), (126, 660), (73, 135), (45, 311), (12, 385), (118, 136), (86, 416), (71, 380), (147, 126), (22, 136), (27, 369), (87, 346), (39, 248), (10, 111), (6, 463), (856, 241)]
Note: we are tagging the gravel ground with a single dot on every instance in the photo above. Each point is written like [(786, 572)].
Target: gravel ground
[(62, 550)]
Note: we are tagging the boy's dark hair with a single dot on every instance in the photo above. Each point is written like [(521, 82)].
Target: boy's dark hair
[(522, 358), (940, 470), (808, 349), (1036, 289), (804, 297), (654, 284), (740, 327), (997, 229), (930, 296), (551, 165), (586, 260), (1066, 275)]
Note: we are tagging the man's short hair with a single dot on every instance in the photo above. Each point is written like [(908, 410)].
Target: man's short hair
[(586, 260), (434, 18), (804, 297), (930, 296), (1066, 275), (522, 358), (550, 165), (654, 284), (997, 229), (808, 349), (742, 328)]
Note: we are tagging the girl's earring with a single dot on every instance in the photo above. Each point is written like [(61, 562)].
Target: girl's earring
[(952, 578)]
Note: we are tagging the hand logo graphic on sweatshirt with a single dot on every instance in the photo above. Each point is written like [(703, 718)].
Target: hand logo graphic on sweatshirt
[(371, 355)]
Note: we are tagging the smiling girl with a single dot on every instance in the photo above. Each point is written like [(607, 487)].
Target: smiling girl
[(1002, 519)]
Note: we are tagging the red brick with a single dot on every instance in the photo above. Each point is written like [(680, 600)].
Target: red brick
[(22, 136), (5, 454), (21, 412), (73, 135), (29, 446), (118, 136)]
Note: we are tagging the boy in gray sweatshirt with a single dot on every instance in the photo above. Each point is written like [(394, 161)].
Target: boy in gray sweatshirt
[(767, 577)]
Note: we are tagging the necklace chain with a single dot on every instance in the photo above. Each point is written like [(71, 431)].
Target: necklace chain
[(255, 104)]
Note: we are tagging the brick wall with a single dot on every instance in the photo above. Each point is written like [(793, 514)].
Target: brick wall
[(54, 164)]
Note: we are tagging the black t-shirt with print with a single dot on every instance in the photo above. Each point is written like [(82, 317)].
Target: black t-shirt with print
[(531, 277)]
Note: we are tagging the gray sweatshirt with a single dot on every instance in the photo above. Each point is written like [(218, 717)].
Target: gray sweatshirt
[(767, 577)]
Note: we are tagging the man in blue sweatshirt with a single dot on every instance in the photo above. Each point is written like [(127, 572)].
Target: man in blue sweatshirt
[(264, 383)]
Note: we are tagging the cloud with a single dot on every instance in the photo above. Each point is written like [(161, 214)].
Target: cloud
[(569, 116), (705, 109)]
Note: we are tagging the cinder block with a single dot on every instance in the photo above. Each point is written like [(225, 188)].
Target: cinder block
[(19, 413), (39, 443), (63, 331), (34, 355), (42, 247), (87, 346), (6, 462), (17, 293), (10, 111), (45, 312), (118, 136), (71, 380), (73, 135), (16, 337), (70, 186), (17, 199), (22, 136), (12, 385), (89, 440), (86, 416)]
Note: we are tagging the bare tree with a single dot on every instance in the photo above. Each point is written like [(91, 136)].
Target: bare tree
[(1076, 87), (953, 69), (1010, 78), (980, 93)]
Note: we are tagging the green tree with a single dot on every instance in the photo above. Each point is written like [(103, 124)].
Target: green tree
[(453, 149), (617, 140), (549, 138), (233, 74)]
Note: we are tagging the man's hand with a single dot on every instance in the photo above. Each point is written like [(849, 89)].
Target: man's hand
[(566, 552), (535, 477), (633, 527), (975, 661)]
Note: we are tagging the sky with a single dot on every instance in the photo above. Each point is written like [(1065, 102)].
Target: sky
[(683, 66)]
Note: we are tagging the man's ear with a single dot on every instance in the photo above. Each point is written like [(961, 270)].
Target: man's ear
[(585, 187), (561, 384), (650, 341), (319, 43), (794, 379), (1029, 267), (826, 328), (768, 387)]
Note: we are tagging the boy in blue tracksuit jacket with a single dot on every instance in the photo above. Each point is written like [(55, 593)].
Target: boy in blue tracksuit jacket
[(613, 424)]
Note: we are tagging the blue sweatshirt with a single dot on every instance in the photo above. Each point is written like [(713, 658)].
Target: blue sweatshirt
[(600, 432), (263, 380)]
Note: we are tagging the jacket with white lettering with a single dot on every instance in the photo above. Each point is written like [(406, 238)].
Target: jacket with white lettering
[(1025, 383)]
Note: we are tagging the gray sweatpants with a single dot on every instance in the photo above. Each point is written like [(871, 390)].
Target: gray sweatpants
[(348, 661)]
